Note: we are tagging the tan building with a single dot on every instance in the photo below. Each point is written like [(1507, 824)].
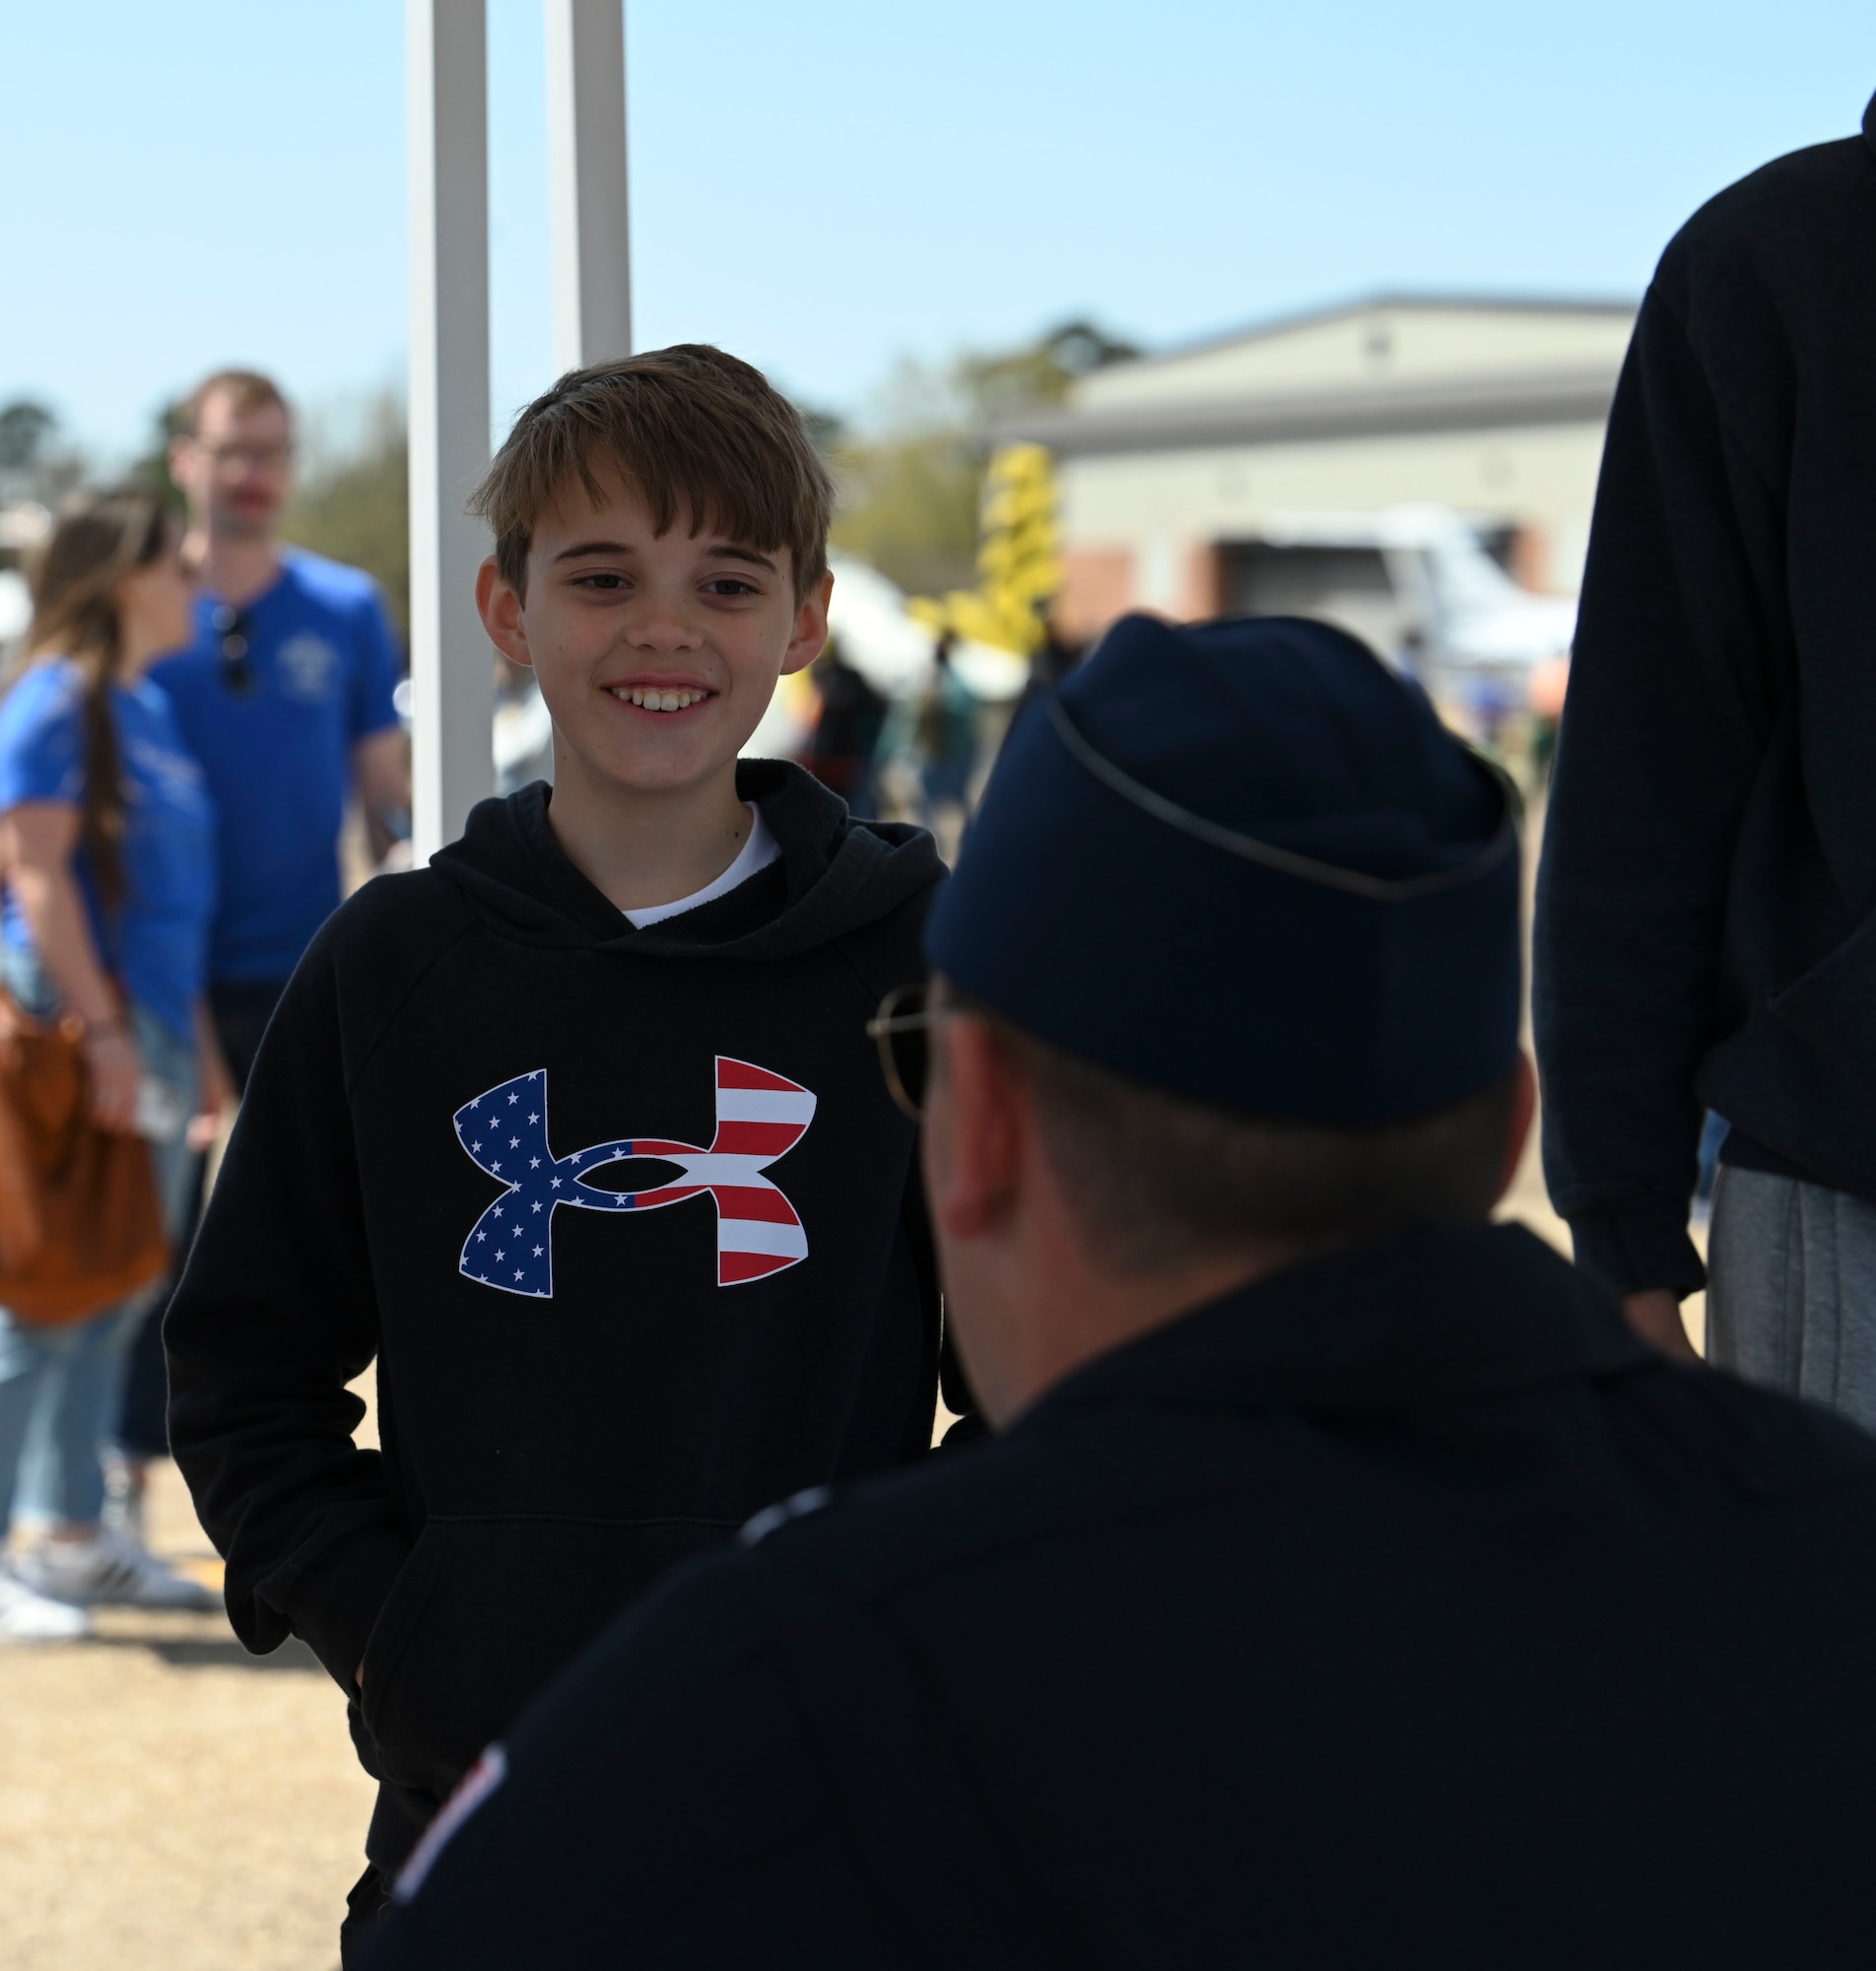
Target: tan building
[(1183, 476)]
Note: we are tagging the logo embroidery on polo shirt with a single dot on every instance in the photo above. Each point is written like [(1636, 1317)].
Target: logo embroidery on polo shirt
[(760, 1117), (307, 665)]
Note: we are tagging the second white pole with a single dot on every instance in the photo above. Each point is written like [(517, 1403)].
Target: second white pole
[(586, 180)]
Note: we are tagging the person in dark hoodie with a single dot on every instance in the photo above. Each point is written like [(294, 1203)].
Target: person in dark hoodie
[(1347, 1585), (1707, 907), (577, 1132)]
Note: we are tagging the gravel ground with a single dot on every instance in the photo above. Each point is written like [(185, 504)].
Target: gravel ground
[(168, 1800)]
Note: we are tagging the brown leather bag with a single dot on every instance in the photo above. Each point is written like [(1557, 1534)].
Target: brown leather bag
[(81, 1225)]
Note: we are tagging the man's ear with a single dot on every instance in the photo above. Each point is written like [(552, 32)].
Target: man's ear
[(975, 1124), (499, 608), (810, 636), (1524, 1110)]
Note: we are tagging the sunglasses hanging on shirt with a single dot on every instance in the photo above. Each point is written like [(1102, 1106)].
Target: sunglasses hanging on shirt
[(231, 625)]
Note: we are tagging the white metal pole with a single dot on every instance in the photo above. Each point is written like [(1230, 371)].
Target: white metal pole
[(452, 690), (586, 179)]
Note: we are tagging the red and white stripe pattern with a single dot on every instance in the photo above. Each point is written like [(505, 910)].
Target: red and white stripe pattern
[(760, 1117)]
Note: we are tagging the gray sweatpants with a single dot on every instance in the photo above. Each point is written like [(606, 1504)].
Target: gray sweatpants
[(1791, 1289)]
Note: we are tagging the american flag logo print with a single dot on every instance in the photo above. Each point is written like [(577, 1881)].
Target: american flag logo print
[(760, 1117)]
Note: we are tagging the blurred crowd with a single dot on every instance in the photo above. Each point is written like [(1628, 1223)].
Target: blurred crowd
[(193, 707)]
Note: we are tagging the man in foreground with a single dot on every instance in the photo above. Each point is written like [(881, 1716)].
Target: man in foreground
[(1348, 1584)]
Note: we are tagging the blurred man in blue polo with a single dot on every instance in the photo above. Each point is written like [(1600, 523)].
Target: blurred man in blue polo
[(285, 697), (1348, 1584)]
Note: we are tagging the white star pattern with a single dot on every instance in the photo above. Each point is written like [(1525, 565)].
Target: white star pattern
[(760, 1116)]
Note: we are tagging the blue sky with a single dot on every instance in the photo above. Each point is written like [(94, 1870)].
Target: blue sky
[(829, 185)]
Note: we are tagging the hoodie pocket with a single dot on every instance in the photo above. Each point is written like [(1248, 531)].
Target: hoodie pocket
[(1831, 1007), (484, 1616)]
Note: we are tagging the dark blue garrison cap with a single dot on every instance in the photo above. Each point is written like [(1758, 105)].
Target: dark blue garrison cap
[(1245, 862)]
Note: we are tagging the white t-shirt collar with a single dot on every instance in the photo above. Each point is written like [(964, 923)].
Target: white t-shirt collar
[(759, 849)]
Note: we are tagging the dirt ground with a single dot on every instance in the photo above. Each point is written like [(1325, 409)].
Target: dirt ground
[(169, 1801)]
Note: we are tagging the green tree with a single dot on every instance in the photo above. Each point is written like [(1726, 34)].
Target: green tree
[(908, 507), (911, 493), (35, 460), (356, 507), (25, 428)]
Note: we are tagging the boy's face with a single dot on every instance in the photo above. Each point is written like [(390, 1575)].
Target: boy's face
[(620, 622)]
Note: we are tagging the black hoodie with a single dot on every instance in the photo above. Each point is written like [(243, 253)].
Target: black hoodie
[(1707, 906), (739, 1305)]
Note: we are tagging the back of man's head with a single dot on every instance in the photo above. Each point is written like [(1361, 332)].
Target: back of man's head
[(1241, 917), (1159, 1182)]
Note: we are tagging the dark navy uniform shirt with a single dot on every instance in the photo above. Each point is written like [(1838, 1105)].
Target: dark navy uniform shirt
[(1402, 1608)]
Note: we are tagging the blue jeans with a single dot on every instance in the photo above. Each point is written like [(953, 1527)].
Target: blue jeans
[(242, 1008), (60, 1387)]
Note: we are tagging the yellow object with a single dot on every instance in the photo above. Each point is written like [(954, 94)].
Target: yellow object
[(1018, 567)]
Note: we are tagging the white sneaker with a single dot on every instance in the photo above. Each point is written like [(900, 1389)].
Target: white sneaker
[(29, 1618), (112, 1568), (123, 1500)]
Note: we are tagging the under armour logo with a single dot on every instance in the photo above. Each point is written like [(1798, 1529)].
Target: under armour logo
[(760, 1117)]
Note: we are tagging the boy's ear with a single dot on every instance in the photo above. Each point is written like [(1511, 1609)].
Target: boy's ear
[(499, 608), (810, 637)]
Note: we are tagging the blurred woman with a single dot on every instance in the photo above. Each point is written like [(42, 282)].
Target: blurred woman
[(106, 851)]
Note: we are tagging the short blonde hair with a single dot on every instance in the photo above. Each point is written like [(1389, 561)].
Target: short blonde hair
[(248, 389)]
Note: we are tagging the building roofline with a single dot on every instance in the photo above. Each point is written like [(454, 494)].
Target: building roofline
[(1399, 299), (1389, 408)]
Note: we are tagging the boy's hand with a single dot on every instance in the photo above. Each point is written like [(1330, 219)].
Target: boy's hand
[(216, 1100), (358, 1675)]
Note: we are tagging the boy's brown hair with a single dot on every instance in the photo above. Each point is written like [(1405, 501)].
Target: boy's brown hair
[(686, 426)]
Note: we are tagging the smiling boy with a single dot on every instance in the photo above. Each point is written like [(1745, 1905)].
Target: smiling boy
[(576, 1133)]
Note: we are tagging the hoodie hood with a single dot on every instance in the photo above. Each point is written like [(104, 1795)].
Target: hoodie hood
[(840, 873)]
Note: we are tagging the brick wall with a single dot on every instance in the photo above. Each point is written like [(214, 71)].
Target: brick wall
[(1097, 587)]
